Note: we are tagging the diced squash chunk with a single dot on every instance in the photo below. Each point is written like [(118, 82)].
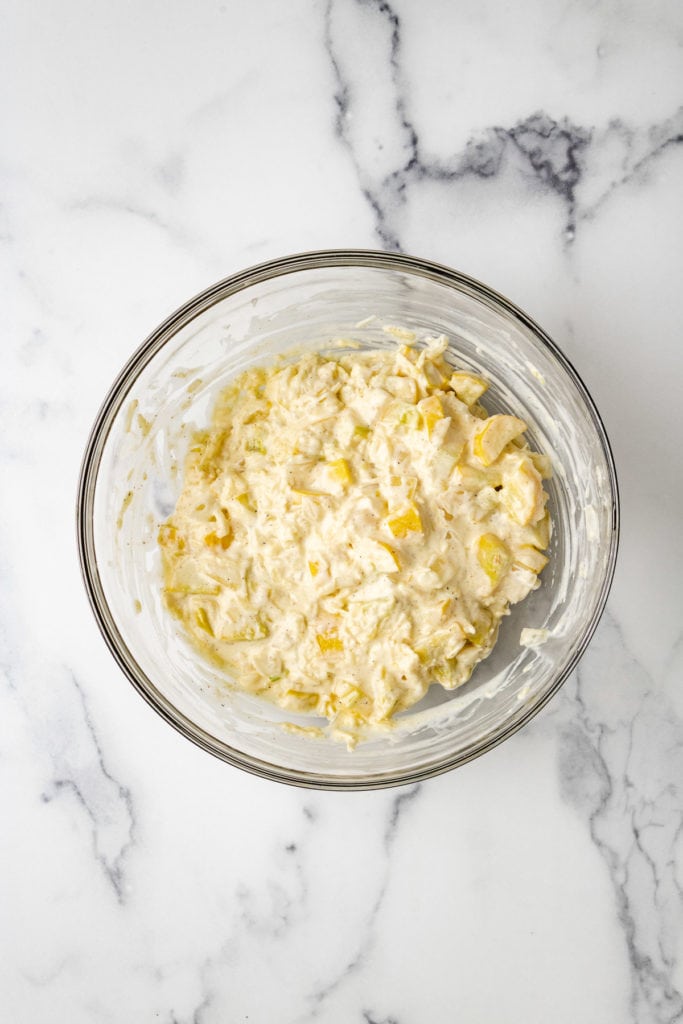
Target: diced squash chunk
[(404, 522), (411, 417), (523, 494), (340, 472), (390, 562), (483, 627), (468, 387), (539, 533), (313, 568), (329, 642), (246, 502), (494, 556), (212, 540), (543, 465), (350, 696), (448, 673), (470, 478), (531, 558), (403, 388), (496, 435), (434, 375), (431, 411), (443, 465), (202, 620)]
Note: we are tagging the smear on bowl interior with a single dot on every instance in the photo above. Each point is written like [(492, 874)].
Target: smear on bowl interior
[(352, 529)]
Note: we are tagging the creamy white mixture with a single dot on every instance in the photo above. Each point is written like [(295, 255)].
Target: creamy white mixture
[(353, 529)]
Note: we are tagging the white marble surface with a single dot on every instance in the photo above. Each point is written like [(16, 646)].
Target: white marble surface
[(151, 148)]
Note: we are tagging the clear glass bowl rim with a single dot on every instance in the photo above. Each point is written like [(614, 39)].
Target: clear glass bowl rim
[(262, 272)]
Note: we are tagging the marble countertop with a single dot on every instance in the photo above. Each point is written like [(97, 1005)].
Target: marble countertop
[(153, 148)]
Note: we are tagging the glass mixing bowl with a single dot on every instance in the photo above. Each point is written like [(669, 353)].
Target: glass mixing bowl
[(132, 473)]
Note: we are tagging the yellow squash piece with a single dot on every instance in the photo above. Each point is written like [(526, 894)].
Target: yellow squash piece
[(202, 620), (481, 629), (531, 558), (447, 673), (350, 696), (313, 568), (470, 478), (410, 417), (494, 557), (393, 562), (468, 387), (543, 465), (212, 540), (444, 463), (432, 411), (302, 700), (539, 533), (340, 472), (329, 642), (246, 502), (496, 435), (407, 521), (523, 494)]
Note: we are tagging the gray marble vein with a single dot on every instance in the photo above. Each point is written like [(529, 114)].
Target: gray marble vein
[(555, 155), (65, 734), (98, 204), (267, 916), (621, 765), (396, 816), (80, 771), (382, 157), (631, 154), (261, 917)]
